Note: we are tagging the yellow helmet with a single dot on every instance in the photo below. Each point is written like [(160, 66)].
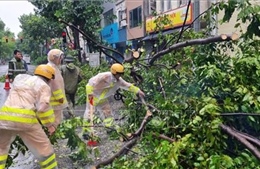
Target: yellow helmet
[(117, 68), (45, 71), (55, 53)]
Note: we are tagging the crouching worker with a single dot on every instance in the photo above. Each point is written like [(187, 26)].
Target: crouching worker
[(102, 86), (24, 112)]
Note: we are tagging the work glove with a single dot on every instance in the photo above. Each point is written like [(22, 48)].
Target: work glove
[(141, 93), (51, 130)]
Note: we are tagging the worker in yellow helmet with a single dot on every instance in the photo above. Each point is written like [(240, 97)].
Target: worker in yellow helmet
[(24, 112), (58, 98), (105, 84)]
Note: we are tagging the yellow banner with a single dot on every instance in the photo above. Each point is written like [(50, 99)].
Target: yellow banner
[(173, 18)]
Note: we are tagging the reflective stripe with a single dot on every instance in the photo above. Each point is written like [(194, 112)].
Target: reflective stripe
[(3, 157), (103, 94), (49, 120), (55, 102), (49, 163), (58, 94), (17, 110), (2, 166), (52, 166), (46, 114), (18, 119), (134, 89), (89, 89)]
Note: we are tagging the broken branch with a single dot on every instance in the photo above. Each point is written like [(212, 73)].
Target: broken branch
[(241, 139), (219, 38)]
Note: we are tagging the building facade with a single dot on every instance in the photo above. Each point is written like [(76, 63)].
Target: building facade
[(135, 23)]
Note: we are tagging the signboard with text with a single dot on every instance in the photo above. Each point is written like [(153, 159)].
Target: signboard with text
[(174, 18), (110, 33)]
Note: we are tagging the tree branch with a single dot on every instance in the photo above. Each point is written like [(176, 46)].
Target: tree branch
[(241, 139), (239, 114), (164, 137), (133, 139), (94, 42), (219, 38)]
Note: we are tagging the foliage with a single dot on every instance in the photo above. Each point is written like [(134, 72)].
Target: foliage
[(248, 12), (36, 31), (210, 80), (84, 14), (6, 48)]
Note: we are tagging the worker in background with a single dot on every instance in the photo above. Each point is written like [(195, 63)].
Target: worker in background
[(16, 65), (102, 86), (25, 110), (58, 98), (72, 76)]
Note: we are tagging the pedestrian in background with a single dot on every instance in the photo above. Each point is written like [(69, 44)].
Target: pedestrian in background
[(72, 76), (58, 98), (16, 65), (25, 110)]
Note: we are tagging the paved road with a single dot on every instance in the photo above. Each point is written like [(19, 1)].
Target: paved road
[(3, 69)]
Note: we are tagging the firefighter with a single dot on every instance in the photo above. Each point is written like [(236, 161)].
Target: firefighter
[(16, 65), (105, 84), (72, 76), (58, 98), (24, 112)]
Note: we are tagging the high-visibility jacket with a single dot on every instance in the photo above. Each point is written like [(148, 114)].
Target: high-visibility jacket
[(57, 89), (105, 84), (15, 67), (27, 104)]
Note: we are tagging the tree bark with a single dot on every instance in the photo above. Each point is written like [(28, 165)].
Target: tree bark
[(219, 38), (241, 139)]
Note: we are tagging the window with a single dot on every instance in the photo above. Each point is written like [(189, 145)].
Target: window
[(169, 5), (108, 17), (151, 6), (183, 2), (135, 17), (162, 5)]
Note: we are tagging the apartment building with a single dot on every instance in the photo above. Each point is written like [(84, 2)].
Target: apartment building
[(114, 26), (131, 23)]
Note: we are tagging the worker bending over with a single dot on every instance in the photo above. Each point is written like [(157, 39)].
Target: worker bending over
[(102, 86)]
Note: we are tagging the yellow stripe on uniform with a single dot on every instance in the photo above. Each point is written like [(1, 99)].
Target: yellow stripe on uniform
[(19, 119), (89, 89), (2, 166), (49, 163), (49, 120), (134, 89), (57, 94), (3, 157), (52, 166), (46, 114), (17, 110)]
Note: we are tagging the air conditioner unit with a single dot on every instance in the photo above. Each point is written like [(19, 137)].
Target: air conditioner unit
[(123, 23)]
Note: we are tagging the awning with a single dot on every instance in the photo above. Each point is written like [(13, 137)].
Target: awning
[(155, 35)]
